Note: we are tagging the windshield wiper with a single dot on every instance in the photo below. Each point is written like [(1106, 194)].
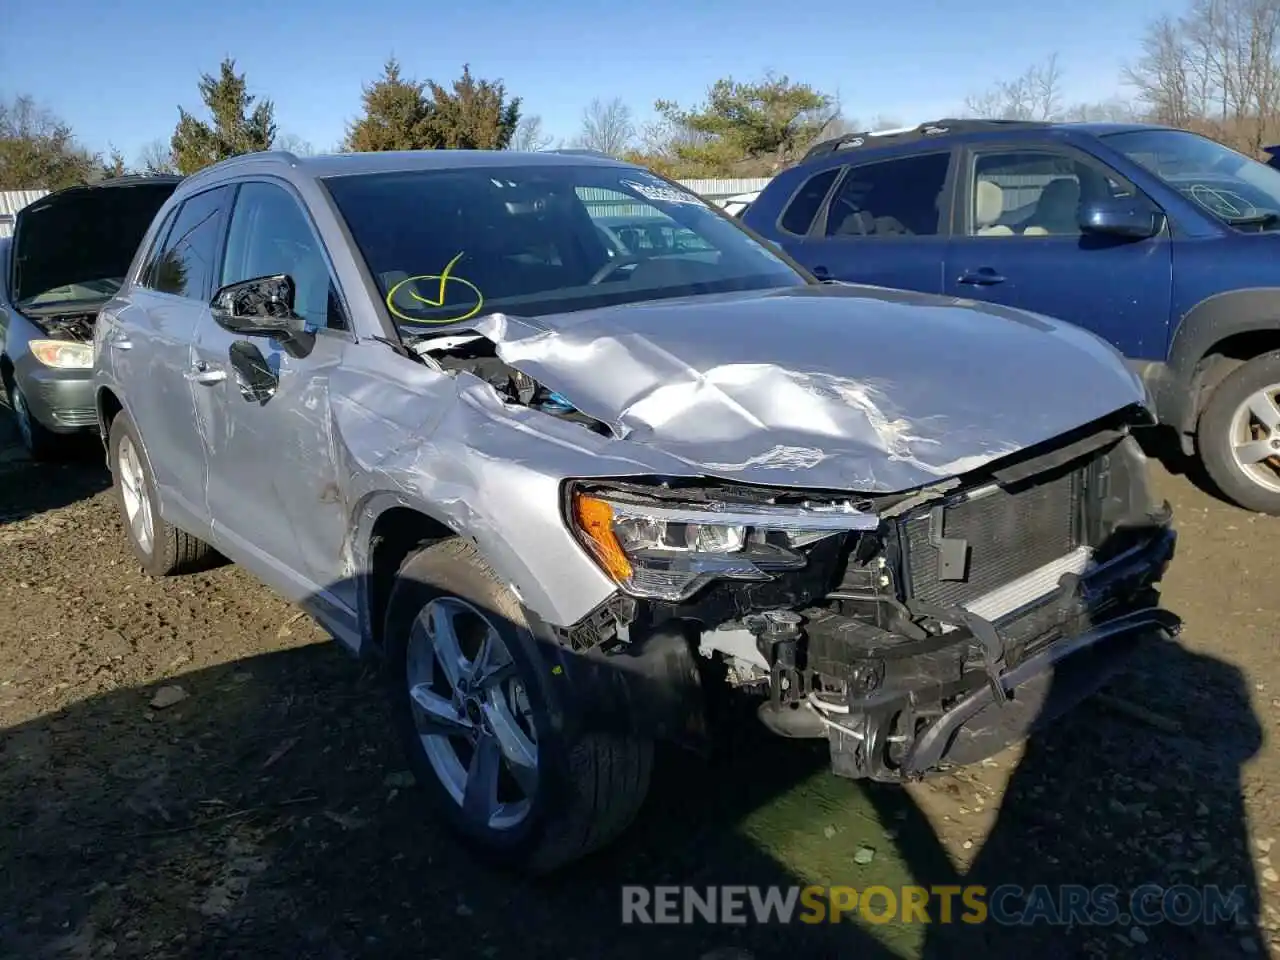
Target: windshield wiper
[(1263, 220)]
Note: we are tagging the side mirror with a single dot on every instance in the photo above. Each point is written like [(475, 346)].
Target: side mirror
[(261, 307), (1130, 218)]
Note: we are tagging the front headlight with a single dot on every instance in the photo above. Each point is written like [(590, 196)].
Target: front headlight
[(669, 552), (63, 354)]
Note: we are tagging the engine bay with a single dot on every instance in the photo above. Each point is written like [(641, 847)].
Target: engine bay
[(77, 327), (476, 355)]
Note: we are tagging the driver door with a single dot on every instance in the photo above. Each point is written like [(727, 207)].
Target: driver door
[(264, 414), (1017, 242)]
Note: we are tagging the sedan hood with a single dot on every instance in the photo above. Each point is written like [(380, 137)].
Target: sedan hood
[(832, 386), (83, 234)]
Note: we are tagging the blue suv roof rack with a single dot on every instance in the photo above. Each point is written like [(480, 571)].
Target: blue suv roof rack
[(934, 128)]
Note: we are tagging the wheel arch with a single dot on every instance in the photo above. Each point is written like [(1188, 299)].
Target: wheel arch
[(1213, 338), (109, 406), (388, 528)]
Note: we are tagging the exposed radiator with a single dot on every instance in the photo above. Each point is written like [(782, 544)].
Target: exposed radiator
[(968, 547)]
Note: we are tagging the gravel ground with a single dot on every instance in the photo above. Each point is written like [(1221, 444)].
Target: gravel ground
[(188, 769)]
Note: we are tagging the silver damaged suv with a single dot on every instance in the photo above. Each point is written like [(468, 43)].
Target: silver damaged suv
[(565, 447)]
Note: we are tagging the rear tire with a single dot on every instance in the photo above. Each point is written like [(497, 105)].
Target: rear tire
[(162, 549), (585, 793), (1232, 433)]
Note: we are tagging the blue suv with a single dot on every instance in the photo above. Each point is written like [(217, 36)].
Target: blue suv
[(1163, 242)]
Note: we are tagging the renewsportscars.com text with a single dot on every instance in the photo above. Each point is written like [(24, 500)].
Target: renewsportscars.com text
[(1008, 904)]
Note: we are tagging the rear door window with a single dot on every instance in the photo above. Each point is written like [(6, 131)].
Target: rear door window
[(891, 198), (804, 206)]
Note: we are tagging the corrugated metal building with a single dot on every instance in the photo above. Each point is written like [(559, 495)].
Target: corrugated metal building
[(607, 203), (11, 201), (720, 189)]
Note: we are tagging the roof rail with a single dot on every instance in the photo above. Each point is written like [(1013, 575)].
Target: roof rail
[(240, 158), (129, 178), (934, 128), (580, 152)]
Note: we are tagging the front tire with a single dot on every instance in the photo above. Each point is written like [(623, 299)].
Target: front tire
[(1238, 438), (471, 701), (40, 442), (162, 549)]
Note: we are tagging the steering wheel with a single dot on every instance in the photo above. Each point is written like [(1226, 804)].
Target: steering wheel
[(612, 267)]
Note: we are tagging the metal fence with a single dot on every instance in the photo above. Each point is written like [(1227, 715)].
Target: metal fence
[(11, 201)]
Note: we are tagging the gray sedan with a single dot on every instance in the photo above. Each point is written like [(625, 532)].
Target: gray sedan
[(66, 258)]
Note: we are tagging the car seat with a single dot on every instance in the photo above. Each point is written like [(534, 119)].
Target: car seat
[(988, 206), (1058, 209)]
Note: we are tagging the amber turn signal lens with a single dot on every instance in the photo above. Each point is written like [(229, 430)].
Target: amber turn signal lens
[(595, 519)]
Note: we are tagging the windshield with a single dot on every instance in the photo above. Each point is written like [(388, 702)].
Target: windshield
[(446, 246), (91, 290), (1235, 189)]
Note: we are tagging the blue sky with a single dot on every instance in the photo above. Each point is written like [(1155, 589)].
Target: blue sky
[(119, 81)]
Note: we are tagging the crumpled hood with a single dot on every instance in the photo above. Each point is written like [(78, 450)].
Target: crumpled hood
[(83, 234), (832, 386)]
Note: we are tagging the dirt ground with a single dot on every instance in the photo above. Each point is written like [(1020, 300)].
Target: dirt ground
[(189, 769)]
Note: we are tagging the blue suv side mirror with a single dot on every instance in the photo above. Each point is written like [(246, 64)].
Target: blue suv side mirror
[(1130, 218)]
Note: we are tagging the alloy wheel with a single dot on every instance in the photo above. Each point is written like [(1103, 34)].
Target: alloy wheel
[(472, 713), (133, 491)]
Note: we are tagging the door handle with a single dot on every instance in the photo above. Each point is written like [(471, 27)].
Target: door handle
[(982, 277), (204, 374)]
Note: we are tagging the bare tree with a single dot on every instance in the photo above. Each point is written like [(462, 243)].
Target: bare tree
[(607, 126), (529, 134), (1166, 77), (1215, 70), (1115, 110), (1035, 95), (885, 121), (295, 145), (157, 157)]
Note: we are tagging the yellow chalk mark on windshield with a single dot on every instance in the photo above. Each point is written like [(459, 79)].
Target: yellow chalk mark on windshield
[(444, 279)]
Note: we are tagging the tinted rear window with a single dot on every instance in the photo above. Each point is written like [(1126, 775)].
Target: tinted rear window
[(798, 217)]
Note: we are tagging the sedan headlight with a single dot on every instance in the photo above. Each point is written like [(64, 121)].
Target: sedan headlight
[(63, 354), (667, 553)]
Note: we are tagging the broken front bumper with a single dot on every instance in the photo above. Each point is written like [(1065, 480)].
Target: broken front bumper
[(963, 694)]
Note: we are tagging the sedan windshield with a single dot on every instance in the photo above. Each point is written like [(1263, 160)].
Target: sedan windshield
[(89, 291), (446, 246), (1237, 190)]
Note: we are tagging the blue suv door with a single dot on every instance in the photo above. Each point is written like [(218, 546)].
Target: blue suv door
[(880, 221), (1017, 241)]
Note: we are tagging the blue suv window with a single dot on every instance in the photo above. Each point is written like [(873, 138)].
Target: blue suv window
[(1035, 193), (804, 206), (891, 198)]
